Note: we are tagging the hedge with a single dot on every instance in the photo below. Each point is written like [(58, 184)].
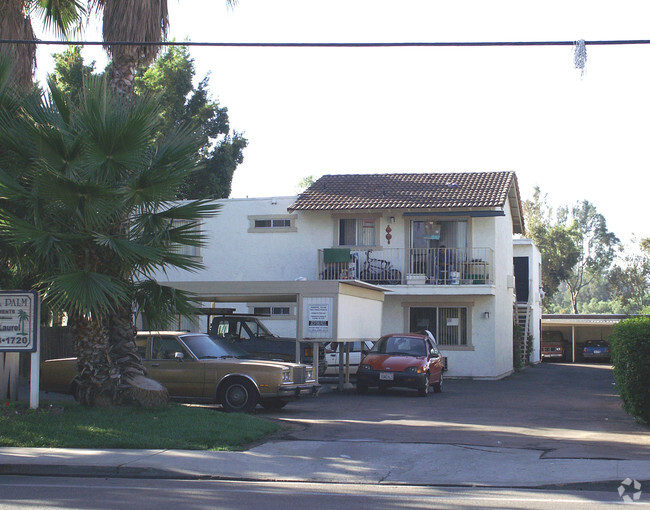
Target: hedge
[(630, 344)]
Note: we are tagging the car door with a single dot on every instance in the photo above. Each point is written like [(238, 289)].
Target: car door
[(434, 359), (181, 374)]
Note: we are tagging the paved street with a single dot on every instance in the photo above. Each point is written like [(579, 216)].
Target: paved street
[(36, 493)]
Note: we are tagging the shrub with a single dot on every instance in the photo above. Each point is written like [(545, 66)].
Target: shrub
[(630, 343)]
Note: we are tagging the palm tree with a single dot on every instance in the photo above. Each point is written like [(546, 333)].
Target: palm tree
[(91, 206), (15, 23), (144, 21)]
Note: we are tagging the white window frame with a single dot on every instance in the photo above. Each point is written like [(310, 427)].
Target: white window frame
[(277, 223)]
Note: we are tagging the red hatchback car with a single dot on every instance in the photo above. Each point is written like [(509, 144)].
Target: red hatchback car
[(406, 360)]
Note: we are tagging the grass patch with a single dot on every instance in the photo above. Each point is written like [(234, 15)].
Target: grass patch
[(70, 425)]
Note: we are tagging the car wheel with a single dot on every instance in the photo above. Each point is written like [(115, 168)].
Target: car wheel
[(273, 403), (437, 387), (424, 390), (362, 388), (238, 395)]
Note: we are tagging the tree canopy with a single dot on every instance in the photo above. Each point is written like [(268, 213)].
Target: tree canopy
[(578, 256), (171, 78)]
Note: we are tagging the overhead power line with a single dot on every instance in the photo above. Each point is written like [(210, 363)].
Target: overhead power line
[(329, 44)]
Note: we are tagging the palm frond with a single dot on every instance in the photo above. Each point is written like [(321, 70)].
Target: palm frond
[(160, 305), (130, 252), (61, 16), (86, 292)]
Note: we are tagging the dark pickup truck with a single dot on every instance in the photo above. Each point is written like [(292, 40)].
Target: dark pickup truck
[(251, 335)]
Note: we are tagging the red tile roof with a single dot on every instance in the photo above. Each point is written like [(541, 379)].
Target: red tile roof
[(412, 191)]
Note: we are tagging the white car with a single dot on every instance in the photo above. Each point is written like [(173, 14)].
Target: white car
[(357, 350)]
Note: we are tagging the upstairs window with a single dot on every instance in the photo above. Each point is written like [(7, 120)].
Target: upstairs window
[(262, 224), (357, 232)]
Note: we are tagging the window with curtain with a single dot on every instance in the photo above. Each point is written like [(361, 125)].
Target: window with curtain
[(357, 232)]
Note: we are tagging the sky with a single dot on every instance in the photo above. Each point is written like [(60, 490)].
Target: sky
[(315, 111)]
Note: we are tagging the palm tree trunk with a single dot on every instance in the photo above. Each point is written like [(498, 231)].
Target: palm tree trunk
[(97, 379), (135, 386), (123, 73), (16, 24)]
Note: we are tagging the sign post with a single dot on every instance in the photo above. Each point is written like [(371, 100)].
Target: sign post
[(19, 331)]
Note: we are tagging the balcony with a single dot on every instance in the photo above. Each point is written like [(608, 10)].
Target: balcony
[(415, 266)]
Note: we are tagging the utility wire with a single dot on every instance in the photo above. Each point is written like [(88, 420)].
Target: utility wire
[(328, 44)]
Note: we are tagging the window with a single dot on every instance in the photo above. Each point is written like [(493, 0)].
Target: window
[(279, 223), (273, 223), (357, 232), (165, 347), (272, 310), (185, 249), (447, 324)]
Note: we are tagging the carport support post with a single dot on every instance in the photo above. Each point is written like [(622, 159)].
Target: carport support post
[(573, 343)]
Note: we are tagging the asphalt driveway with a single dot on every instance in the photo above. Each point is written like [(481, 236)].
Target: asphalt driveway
[(563, 410)]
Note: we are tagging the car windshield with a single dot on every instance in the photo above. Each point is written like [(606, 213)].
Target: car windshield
[(400, 346), (205, 347)]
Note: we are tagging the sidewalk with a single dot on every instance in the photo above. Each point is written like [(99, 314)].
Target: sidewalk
[(362, 462)]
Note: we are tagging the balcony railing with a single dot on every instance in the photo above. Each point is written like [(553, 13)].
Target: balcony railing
[(399, 266)]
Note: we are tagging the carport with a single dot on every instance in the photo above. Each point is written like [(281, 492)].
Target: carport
[(579, 328), (326, 310)]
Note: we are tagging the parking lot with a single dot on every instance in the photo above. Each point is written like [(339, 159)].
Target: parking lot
[(564, 410)]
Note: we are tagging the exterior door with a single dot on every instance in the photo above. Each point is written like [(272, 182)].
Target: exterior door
[(521, 279)]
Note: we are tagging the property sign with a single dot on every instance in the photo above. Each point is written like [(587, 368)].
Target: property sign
[(18, 321), (319, 317)]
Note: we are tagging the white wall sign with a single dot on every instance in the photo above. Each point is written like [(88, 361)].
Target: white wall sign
[(18, 321), (318, 317)]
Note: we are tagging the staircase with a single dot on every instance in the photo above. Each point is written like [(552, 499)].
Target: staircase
[(522, 318)]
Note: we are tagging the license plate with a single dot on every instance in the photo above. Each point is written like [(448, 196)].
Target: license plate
[(597, 352), (386, 376)]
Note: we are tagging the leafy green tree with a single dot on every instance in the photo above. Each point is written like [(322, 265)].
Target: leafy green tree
[(70, 72), (630, 280), (598, 247), (87, 198), (305, 183), (221, 152), (556, 241)]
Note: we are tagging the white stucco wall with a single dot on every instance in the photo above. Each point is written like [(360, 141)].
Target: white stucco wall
[(358, 319), (233, 253)]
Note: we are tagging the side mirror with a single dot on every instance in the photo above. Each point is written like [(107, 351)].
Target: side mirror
[(179, 356)]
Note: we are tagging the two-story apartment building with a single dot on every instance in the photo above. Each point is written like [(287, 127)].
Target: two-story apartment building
[(437, 247)]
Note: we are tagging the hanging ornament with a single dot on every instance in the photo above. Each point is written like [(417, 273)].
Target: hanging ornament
[(580, 56), (388, 231)]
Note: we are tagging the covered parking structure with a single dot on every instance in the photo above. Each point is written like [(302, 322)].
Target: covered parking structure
[(326, 310), (576, 329)]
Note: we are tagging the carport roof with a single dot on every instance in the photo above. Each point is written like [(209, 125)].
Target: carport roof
[(585, 319), (272, 291)]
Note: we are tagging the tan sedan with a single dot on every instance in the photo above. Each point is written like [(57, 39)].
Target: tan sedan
[(197, 368)]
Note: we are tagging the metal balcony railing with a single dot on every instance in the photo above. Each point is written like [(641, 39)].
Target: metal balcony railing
[(399, 266)]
